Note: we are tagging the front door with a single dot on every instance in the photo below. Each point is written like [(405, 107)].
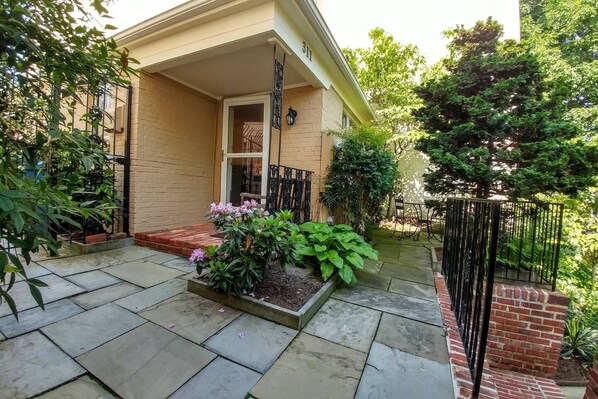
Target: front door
[(245, 145)]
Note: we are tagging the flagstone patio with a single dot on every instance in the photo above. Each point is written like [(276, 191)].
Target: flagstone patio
[(121, 324)]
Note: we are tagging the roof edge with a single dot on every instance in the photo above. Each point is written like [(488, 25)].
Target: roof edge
[(313, 14)]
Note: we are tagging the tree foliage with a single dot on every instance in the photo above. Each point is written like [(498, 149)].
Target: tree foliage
[(387, 71), (563, 35), (361, 175), (494, 126), (50, 59)]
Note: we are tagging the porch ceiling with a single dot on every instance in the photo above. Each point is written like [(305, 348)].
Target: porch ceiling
[(246, 70)]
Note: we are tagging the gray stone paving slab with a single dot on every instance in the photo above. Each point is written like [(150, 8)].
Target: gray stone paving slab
[(390, 373), (58, 288), (2, 338), (142, 273), (408, 273), (346, 324), (312, 368), (416, 290), (131, 253), (148, 362), (82, 388), (93, 280), (162, 258), (105, 295), (191, 316), (35, 318), (152, 296), (413, 337), (91, 329), (372, 266), (423, 257), (221, 379), (180, 263), (79, 264), (34, 270), (32, 364), (400, 305), (372, 280), (252, 342)]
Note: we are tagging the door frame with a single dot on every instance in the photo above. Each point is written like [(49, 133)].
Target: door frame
[(265, 154)]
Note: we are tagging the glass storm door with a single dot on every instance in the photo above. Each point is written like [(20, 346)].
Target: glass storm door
[(245, 145)]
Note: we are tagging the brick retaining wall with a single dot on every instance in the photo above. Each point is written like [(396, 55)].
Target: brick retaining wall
[(592, 389), (526, 329), (496, 384)]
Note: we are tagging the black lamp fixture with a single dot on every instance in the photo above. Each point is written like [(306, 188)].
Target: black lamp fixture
[(291, 115)]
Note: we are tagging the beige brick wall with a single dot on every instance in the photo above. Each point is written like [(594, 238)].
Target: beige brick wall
[(301, 145), (173, 139)]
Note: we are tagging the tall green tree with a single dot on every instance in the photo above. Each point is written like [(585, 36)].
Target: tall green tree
[(563, 35), (494, 128), (50, 59), (388, 71)]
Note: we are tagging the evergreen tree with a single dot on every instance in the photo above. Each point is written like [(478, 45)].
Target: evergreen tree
[(493, 127)]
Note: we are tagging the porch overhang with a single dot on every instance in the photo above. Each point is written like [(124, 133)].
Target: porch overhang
[(224, 48)]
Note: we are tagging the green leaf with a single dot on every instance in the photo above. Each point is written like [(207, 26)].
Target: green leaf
[(6, 204), (355, 260), (36, 282), (10, 302), (306, 251), (346, 273), (327, 269), (31, 213), (322, 256), (37, 295), (18, 221), (335, 259), (319, 248)]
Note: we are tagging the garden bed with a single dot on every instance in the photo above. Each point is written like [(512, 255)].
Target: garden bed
[(289, 298), (571, 372)]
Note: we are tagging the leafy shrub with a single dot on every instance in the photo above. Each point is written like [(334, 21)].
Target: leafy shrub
[(337, 249), (360, 177), (253, 241), (580, 339)]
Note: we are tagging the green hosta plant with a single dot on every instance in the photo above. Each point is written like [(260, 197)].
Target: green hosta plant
[(337, 249)]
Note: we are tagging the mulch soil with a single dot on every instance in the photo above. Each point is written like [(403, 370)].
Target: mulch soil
[(283, 289), (571, 370), (287, 290)]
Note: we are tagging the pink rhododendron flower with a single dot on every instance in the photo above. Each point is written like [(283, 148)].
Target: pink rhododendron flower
[(198, 255)]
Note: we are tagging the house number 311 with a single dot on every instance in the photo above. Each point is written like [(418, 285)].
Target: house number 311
[(306, 50)]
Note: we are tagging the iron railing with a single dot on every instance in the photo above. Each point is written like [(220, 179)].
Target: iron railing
[(289, 189), (485, 240), (529, 242), (468, 263)]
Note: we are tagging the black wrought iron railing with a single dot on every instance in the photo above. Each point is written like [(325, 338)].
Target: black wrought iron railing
[(485, 240), (529, 242), (289, 189), (468, 264)]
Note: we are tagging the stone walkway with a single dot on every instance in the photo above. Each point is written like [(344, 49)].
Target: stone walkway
[(121, 324)]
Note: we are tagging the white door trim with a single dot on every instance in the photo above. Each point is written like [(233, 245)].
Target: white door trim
[(265, 155)]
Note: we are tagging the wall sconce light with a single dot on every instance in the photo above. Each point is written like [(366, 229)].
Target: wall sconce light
[(291, 115)]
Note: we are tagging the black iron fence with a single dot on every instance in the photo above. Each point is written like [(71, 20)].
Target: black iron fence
[(289, 189), (468, 264), (485, 240), (104, 119), (529, 242)]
